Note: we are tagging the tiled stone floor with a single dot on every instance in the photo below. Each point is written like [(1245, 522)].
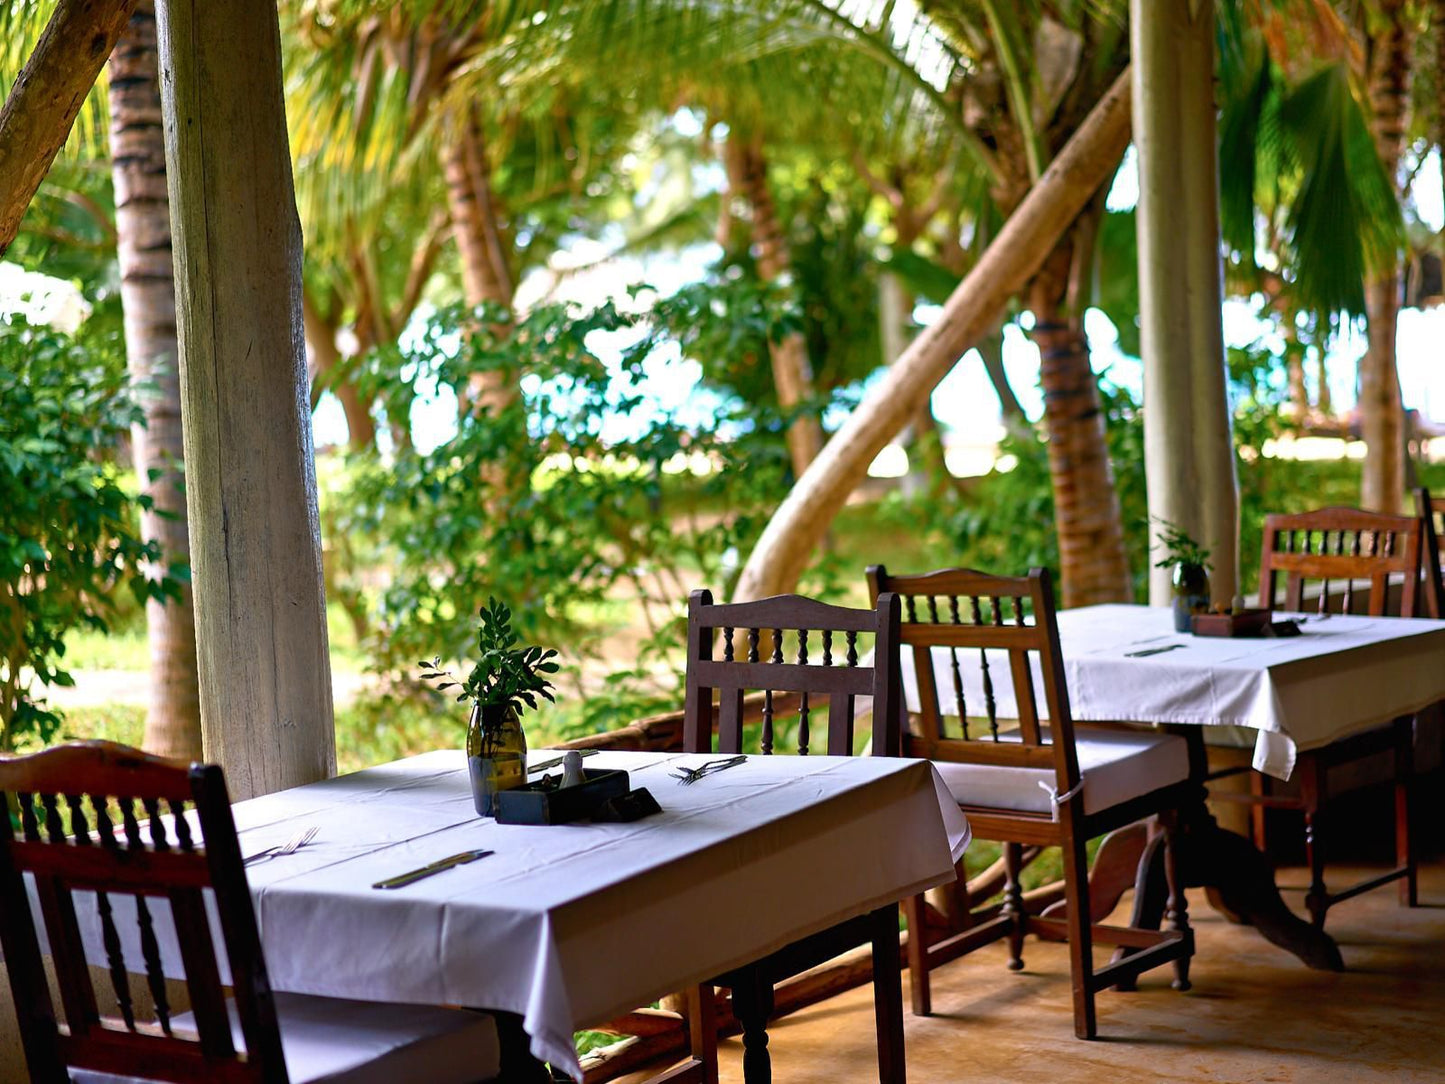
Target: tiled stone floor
[(1255, 1013)]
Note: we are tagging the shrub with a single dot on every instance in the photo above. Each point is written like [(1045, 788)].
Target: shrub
[(69, 534)]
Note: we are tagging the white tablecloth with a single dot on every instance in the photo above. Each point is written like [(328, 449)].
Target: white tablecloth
[(1339, 676), (573, 924)]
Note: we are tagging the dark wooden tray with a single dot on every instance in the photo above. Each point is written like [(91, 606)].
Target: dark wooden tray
[(1243, 623), (536, 803)]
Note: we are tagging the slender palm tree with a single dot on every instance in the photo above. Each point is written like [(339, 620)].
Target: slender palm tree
[(148, 298)]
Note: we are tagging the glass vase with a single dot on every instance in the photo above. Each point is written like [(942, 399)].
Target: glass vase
[(1191, 593), (496, 754)]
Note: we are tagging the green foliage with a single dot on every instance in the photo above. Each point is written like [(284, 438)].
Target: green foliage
[(504, 674), (68, 530), (579, 528)]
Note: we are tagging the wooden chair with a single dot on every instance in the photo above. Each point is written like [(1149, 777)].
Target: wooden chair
[(824, 645), (1363, 552), (90, 851), (1431, 511), (1055, 785)]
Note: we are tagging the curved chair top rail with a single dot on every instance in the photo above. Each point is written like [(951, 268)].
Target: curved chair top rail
[(98, 767), (789, 612), (1337, 518)]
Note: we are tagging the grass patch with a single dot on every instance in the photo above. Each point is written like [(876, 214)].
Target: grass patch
[(126, 647), (124, 723)]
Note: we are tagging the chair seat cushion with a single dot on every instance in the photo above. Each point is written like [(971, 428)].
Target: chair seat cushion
[(332, 1041), (1116, 765)]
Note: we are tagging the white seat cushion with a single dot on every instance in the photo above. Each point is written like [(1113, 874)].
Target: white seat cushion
[(331, 1041), (1116, 765)]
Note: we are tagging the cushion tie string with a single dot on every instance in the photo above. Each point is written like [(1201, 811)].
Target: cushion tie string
[(1056, 799)]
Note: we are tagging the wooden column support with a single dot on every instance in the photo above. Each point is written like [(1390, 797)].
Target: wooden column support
[(1188, 453), (265, 673)]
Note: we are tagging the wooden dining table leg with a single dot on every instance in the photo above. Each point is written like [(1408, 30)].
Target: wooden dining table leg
[(1210, 857), (888, 996), (752, 1005)]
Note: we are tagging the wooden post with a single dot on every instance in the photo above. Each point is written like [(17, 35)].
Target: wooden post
[(1188, 454), (265, 672)]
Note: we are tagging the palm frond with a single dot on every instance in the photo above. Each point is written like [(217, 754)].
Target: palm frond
[(1344, 219)]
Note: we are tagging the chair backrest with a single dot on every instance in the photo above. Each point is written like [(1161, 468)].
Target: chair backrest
[(1006, 619), (789, 644), (1431, 511), (80, 832), (1344, 545)]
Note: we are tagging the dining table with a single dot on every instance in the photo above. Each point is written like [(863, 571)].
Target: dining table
[(570, 925), (1326, 677), (1341, 674)]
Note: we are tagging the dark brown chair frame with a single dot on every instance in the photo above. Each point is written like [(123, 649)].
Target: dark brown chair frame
[(833, 671), (996, 606), (147, 864), (1367, 545), (1433, 573)]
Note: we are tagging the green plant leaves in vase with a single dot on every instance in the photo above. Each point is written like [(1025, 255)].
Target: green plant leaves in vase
[(506, 673)]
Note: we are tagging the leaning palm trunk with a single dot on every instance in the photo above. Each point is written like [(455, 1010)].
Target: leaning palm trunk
[(1084, 163), (792, 369), (148, 297), (46, 97), (1381, 410)]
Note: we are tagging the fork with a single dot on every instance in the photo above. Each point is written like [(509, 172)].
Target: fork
[(688, 776), (291, 846)]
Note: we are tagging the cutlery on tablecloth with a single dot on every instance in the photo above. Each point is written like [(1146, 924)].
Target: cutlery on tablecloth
[(556, 762), (440, 865), (1152, 651), (687, 776), (291, 846)]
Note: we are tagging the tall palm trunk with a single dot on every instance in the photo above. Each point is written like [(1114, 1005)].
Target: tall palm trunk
[(1382, 413), (792, 371), (148, 297), (486, 271), (1093, 563)]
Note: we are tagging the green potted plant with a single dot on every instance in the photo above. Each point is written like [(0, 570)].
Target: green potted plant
[(506, 678), (1190, 562)]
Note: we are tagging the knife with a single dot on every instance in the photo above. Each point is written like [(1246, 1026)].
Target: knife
[(404, 879)]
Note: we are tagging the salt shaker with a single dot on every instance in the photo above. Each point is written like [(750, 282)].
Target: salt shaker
[(572, 769)]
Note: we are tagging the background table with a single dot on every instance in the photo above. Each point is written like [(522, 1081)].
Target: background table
[(1342, 674), (573, 924)]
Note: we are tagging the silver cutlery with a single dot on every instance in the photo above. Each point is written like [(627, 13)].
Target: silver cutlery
[(291, 846), (439, 866), (688, 776), (1152, 651)]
